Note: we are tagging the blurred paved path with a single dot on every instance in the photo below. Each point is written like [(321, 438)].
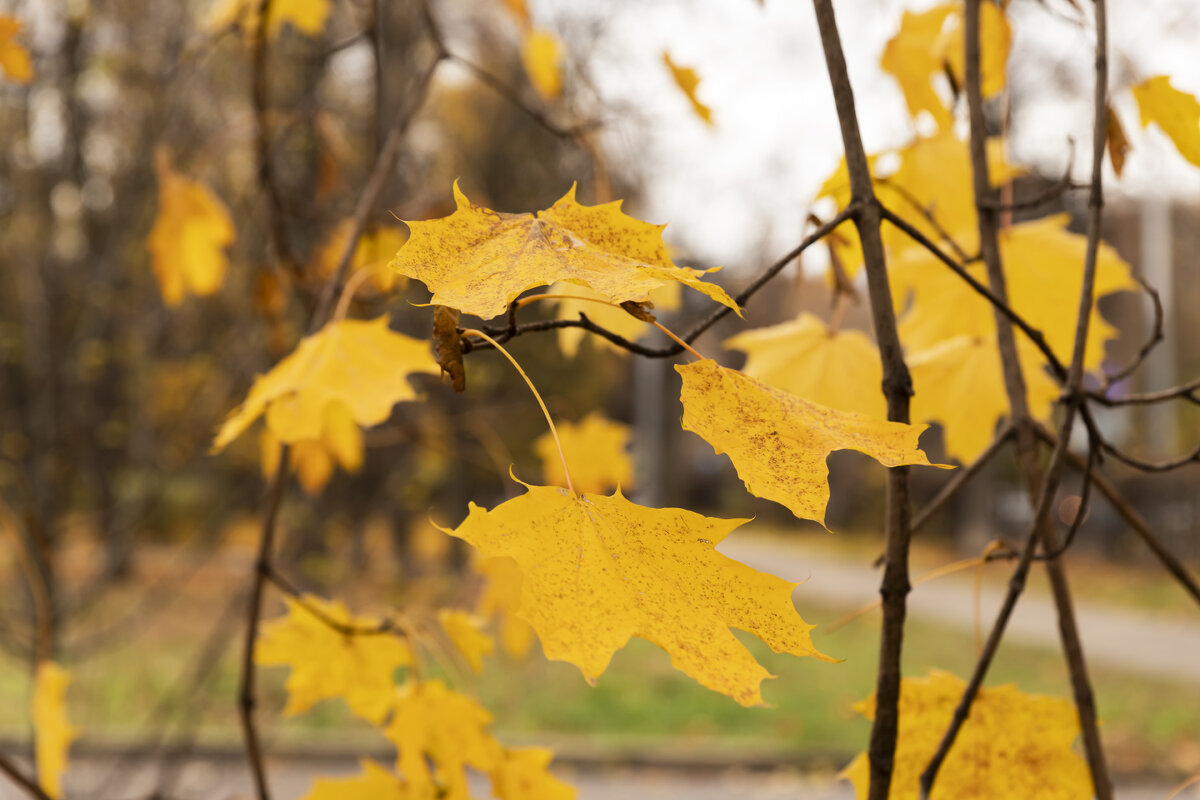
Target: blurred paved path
[(1112, 636)]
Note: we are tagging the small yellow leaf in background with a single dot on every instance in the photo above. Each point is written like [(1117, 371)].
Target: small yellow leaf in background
[(313, 460), (522, 774), (187, 243), (1117, 141), (1176, 113), (435, 726), (1013, 745), (542, 54), (779, 442), (501, 597), (375, 248), (52, 732), (596, 451), (359, 367), (596, 571), (14, 59), (612, 318), (478, 260), (840, 370), (464, 632), (960, 383), (519, 10), (375, 783), (306, 16), (327, 664), (687, 80)]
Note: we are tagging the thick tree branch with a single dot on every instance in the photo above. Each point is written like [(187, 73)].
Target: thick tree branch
[(897, 388)]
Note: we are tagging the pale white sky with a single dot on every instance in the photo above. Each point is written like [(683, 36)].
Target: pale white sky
[(743, 187)]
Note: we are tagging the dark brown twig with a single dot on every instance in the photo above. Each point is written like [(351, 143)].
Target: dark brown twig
[(897, 388), (1156, 336), (21, 779)]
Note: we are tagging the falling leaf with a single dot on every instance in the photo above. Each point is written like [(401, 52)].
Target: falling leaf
[(803, 357), (187, 243), (607, 316), (1043, 266), (375, 248), (930, 43), (306, 16), (523, 774), (357, 364), (1012, 745), (14, 59), (779, 442), (687, 80), (1118, 143), (597, 570), (960, 383), (933, 179), (52, 732), (478, 260), (435, 726), (326, 663), (1176, 113), (501, 597), (375, 783), (464, 632), (542, 54), (596, 451)]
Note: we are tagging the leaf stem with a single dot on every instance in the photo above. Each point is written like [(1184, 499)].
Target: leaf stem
[(553, 430), (677, 340)]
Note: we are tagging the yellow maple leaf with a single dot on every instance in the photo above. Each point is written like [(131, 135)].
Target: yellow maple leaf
[(1043, 267), (931, 42), (14, 59), (933, 175), (1176, 113), (434, 725), (596, 451), (522, 774), (375, 248), (374, 783), (542, 54), (191, 231), (356, 365), (613, 318), (840, 370), (306, 16), (1013, 745), (52, 732), (597, 570), (779, 442), (463, 630), (960, 383), (687, 80), (478, 260), (501, 597), (327, 664)]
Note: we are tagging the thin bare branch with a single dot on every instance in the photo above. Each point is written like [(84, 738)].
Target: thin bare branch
[(1156, 336), (27, 784)]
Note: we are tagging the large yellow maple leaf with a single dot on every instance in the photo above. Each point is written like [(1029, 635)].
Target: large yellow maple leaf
[(435, 726), (597, 570), (836, 369), (779, 442), (960, 383), (478, 260), (1013, 745), (358, 365), (597, 454), (1176, 113), (52, 732), (1043, 267), (191, 231), (14, 59), (374, 783), (306, 16), (327, 664), (932, 179)]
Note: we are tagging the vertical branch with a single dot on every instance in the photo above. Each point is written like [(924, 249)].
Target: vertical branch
[(897, 388), (1041, 486), (260, 89)]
